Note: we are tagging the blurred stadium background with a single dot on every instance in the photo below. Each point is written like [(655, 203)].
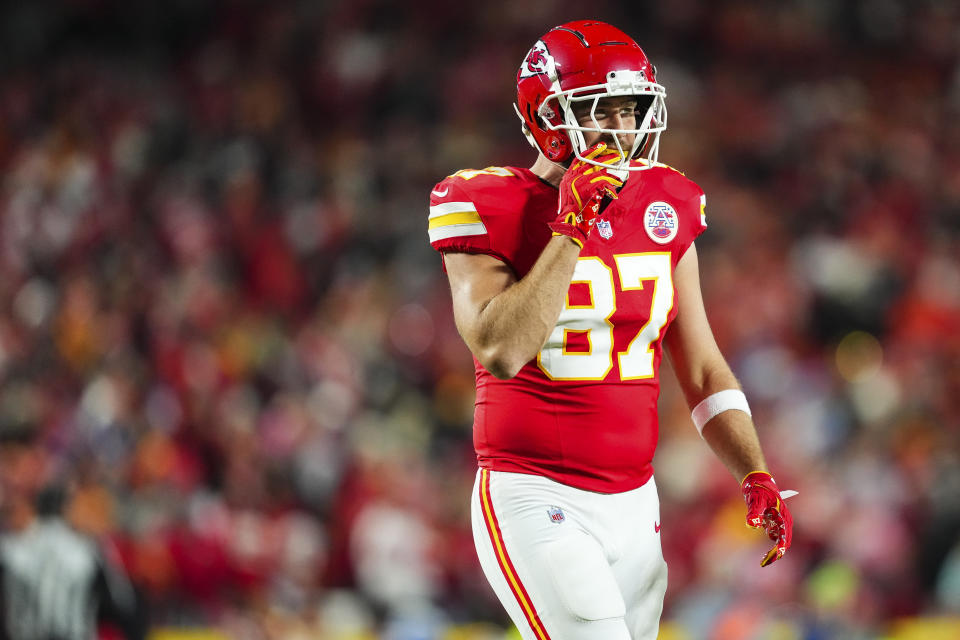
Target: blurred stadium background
[(222, 317)]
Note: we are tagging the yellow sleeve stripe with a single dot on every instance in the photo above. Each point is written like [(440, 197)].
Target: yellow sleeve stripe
[(703, 214), (459, 217), (455, 219)]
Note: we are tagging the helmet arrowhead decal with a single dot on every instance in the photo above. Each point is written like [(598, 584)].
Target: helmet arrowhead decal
[(538, 61)]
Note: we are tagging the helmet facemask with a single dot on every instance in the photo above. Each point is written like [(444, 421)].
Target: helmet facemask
[(651, 117)]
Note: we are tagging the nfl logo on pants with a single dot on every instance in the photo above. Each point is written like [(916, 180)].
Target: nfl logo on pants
[(556, 514)]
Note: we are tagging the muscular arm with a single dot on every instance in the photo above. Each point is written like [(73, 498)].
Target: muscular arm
[(702, 370), (506, 321)]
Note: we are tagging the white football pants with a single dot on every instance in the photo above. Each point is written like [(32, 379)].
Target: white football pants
[(569, 564)]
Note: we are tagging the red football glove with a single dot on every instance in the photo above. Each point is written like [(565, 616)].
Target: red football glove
[(583, 187), (766, 510)]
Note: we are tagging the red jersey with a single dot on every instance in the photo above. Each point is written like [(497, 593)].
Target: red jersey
[(584, 412)]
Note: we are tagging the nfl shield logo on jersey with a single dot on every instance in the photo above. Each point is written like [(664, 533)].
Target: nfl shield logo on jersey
[(661, 222), (556, 515), (605, 229)]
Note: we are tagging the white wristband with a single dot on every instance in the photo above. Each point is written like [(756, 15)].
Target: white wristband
[(716, 404)]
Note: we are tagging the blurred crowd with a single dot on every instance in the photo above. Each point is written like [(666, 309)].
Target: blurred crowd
[(223, 324)]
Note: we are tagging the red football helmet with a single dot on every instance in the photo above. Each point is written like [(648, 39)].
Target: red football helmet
[(585, 61)]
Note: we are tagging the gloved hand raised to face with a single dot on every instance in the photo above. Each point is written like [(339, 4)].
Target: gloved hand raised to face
[(766, 510), (582, 189)]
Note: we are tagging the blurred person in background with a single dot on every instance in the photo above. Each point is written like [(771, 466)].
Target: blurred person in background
[(55, 583), (566, 311)]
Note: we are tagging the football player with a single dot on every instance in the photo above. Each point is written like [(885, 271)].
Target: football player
[(568, 280)]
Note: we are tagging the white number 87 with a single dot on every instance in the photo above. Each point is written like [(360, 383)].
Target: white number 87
[(593, 320)]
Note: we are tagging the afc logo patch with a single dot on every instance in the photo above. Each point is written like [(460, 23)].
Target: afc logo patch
[(556, 515), (661, 222)]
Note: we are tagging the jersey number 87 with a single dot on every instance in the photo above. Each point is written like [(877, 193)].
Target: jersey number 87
[(593, 320)]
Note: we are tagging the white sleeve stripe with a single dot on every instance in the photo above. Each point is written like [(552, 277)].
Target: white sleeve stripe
[(451, 207), (455, 230)]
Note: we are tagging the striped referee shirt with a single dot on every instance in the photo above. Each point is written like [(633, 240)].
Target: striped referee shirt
[(53, 583)]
